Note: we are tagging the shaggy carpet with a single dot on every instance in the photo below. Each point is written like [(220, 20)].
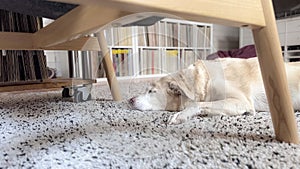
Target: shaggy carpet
[(43, 130)]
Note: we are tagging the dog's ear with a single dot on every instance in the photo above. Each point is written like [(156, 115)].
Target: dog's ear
[(180, 88)]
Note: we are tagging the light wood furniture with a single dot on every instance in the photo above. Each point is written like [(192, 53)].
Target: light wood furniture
[(258, 15), (46, 84)]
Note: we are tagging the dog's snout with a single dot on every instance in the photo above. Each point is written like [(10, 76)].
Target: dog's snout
[(132, 100)]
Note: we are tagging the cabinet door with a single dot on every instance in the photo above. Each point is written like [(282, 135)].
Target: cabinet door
[(293, 38), (293, 26), (282, 39), (281, 27)]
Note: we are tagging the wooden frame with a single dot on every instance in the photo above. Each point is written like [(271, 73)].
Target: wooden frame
[(226, 12), (25, 41), (255, 14), (45, 84)]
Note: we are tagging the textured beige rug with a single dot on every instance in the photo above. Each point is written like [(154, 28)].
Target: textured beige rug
[(42, 130)]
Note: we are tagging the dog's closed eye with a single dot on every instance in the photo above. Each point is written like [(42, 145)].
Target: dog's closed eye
[(152, 91)]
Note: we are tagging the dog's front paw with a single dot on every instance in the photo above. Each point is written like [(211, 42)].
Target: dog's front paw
[(177, 118)]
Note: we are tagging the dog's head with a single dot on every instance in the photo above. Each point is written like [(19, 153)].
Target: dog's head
[(168, 93)]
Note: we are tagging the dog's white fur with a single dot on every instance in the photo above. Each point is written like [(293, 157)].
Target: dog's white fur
[(219, 87)]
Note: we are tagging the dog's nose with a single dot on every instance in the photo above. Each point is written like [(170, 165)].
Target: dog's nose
[(132, 100)]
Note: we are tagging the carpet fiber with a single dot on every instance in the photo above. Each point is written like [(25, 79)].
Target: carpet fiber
[(42, 130)]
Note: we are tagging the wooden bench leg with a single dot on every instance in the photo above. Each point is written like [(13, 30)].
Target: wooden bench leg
[(108, 67), (274, 77)]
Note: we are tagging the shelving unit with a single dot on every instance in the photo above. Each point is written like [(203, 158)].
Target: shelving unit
[(166, 46), (289, 36), (293, 53)]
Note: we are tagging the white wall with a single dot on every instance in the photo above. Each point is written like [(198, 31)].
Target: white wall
[(57, 59), (246, 37), (225, 37)]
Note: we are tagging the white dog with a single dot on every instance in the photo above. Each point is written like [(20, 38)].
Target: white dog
[(219, 87)]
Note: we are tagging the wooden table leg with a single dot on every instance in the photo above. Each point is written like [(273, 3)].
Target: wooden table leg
[(274, 76), (108, 67)]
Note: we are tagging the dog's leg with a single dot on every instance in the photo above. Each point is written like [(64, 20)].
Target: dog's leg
[(184, 115), (230, 106)]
